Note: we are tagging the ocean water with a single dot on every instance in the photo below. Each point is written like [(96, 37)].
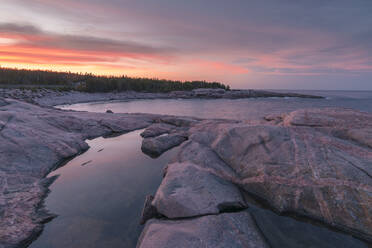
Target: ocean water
[(250, 108), (99, 195)]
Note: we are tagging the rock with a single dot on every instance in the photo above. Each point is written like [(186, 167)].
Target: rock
[(157, 129), (181, 94), (205, 158), (188, 191), (209, 93), (233, 94), (310, 164), (148, 211), (179, 121), (154, 147), (363, 136), (2, 102), (109, 111), (228, 230)]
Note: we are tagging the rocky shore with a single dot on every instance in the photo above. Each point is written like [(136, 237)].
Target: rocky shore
[(48, 97), (313, 165)]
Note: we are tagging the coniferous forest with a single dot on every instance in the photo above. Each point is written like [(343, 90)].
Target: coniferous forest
[(92, 83)]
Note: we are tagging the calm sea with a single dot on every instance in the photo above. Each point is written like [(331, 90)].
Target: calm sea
[(250, 108)]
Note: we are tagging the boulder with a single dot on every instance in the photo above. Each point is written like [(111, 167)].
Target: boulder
[(157, 129), (206, 159), (188, 191), (148, 211), (156, 146)]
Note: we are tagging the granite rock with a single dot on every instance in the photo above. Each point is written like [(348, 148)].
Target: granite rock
[(156, 146), (228, 230), (188, 191), (157, 129), (315, 163), (35, 140)]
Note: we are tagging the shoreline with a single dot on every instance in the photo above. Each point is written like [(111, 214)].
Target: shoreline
[(65, 132), (47, 97)]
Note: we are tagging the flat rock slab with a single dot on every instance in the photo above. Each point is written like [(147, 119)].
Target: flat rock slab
[(228, 230), (188, 191)]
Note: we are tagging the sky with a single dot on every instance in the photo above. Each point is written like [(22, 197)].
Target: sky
[(267, 44)]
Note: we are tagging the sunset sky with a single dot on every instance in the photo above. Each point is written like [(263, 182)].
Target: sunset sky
[(276, 44)]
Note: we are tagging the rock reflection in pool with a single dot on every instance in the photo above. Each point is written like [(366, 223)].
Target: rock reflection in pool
[(99, 204)]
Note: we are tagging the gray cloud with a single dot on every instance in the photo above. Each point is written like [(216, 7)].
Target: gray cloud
[(19, 28), (80, 43)]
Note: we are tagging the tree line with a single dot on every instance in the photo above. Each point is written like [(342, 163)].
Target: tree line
[(92, 83)]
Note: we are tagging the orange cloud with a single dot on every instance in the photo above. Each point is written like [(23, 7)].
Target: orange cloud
[(220, 66)]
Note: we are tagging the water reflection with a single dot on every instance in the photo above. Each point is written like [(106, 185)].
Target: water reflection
[(99, 203)]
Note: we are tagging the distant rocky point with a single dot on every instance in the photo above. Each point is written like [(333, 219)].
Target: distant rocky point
[(50, 97)]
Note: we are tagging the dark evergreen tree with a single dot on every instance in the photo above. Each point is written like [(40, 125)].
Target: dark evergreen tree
[(91, 83)]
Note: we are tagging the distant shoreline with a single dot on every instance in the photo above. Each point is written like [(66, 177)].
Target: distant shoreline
[(49, 97)]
